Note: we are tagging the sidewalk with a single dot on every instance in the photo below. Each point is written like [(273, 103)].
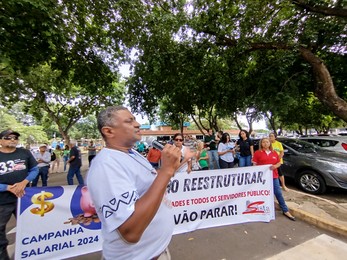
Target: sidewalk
[(318, 211)]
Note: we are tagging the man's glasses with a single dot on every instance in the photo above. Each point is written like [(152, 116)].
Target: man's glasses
[(179, 140), (10, 138)]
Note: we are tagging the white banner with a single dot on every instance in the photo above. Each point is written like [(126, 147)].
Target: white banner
[(214, 198), (52, 225), (59, 222)]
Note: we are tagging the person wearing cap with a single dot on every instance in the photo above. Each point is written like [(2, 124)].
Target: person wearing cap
[(43, 158), (18, 168)]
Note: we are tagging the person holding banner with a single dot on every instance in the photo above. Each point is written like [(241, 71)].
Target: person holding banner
[(128, 193), (266, 155), (18, 169)]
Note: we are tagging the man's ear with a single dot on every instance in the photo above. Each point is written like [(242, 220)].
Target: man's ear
[(107, 131)]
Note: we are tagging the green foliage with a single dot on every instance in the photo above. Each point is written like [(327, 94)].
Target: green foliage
[(221, 57), (203, 59), (31, 32), (50, 98), (28, 134), (86, 128)]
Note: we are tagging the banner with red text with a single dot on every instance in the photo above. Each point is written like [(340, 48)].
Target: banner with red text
[(204, 199), (60, 222)]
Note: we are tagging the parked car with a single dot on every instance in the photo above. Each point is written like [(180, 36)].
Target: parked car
[(313, 168), (334, 143)]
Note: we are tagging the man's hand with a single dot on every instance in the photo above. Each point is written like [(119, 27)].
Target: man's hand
[(170, 159), (18, 188)]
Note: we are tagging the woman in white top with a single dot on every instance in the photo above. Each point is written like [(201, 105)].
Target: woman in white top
[(226, 152), (186, 161)]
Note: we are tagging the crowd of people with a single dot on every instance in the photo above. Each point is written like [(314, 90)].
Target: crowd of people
[(121, 173), (215, 151), (59, 160)]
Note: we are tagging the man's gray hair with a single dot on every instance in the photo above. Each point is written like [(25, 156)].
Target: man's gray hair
[(106, 117)]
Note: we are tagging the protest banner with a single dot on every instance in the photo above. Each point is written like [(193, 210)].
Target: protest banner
[(52, 225), (60, 222), (205, 199)]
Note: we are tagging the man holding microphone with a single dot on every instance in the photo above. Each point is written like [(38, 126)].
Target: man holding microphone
[(128, 193)]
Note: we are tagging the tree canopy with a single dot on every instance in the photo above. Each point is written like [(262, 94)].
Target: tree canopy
[(60, 58), (193, 59), (226, 56)]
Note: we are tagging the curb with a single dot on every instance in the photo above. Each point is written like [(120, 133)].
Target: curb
[(319, 222)]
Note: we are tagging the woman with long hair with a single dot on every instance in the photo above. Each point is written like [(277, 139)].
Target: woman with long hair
[(226, 152), (246, 148), (186, 162), (266, 155), (202, 155)]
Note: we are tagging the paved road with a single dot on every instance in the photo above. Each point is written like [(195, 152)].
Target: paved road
[(253, 241)]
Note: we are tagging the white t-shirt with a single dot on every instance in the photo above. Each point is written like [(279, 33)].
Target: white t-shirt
[(115, 181), (184, 167), (228, 157)]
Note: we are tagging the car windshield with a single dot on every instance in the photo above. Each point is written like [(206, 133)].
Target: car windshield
[(300, 146)]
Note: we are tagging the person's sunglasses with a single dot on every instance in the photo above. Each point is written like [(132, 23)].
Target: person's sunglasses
[(179, 140), (10, 138)]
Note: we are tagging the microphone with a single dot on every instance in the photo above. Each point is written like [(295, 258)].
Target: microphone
[(157, 145)]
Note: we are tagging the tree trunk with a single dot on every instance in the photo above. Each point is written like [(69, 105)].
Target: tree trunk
[(237, 122), (65, 136), (324, 89)]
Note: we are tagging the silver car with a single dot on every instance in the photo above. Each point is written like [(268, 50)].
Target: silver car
[(334, 143), (313, 168)]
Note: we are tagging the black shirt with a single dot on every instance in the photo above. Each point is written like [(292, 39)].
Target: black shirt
[(245, 145), (14, 168), (76, 162)]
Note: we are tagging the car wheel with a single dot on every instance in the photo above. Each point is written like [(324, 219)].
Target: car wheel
[(311, 182)]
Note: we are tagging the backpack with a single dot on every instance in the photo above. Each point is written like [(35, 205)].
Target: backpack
[(53, 157)]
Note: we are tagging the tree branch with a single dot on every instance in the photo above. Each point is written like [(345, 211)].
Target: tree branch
[(328, 11)]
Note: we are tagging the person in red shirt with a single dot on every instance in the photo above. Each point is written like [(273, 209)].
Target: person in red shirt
[(266, 155), (153, 157)]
